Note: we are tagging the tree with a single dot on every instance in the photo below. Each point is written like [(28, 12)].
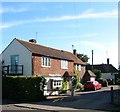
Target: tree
[(97, 73), (83, 57)]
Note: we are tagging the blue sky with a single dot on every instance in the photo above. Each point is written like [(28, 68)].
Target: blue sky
[(86, 25)]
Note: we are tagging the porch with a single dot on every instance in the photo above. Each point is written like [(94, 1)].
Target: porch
[(12, 70)]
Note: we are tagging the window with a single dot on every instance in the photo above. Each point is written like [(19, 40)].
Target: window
[(14, 59), (79, 67), (76, 67), (64, 64), (14, 62), (46, 61), (57, 83)]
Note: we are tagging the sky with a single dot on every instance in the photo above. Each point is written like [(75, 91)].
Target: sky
[(86, 25)]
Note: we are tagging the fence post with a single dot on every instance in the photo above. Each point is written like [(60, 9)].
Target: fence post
[(8, 70), (22, 69), (112, 95)]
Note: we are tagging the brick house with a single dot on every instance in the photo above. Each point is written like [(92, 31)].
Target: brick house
[(29, 59)]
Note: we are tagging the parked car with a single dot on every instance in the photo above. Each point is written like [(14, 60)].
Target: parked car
[(92, 85)]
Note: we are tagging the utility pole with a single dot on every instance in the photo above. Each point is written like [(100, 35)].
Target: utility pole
[(92, 60)]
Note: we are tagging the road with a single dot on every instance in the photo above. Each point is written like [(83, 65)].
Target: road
[(90, 101)]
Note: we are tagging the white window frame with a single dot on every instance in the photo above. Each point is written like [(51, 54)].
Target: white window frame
[(45, 61), (76, 67), (64, 64), (57, 83), (79, 67)]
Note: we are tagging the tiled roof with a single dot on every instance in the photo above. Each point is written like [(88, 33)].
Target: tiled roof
[(91, 73), (66, 74), (47, 51), (105, 68)]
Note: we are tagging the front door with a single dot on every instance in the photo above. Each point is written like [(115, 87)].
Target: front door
[(14, 63)]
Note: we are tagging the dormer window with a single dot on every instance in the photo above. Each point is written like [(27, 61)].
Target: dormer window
[(46, 61)]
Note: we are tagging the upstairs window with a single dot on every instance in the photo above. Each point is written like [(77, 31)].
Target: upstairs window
[(78, 67), (14, 59), (64, 64), (46, 61)]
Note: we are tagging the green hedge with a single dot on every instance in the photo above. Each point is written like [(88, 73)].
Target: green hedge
[(103, 82), (23, 88)]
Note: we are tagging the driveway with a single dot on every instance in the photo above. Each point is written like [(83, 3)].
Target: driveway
[(92, 101)]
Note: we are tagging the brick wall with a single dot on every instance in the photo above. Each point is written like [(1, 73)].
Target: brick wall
[(83, 70), (54, 69)]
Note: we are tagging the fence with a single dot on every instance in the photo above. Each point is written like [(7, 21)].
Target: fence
[(12, 70)]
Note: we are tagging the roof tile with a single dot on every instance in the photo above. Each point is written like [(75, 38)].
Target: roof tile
[(47, 51)]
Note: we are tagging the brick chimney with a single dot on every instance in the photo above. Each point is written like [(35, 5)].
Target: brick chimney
[(75, 52), (32, 40)]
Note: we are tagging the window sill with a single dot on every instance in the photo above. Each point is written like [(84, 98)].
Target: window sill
[(64, 68), (45, 66)]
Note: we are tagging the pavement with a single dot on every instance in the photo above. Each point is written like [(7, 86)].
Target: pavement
[(93, 101)]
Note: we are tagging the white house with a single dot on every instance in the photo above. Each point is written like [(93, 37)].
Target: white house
[(108, 71)]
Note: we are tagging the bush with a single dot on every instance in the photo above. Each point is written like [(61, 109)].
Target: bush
[(118, 81), (23, 88), (75, 80), (103, 82), (97, 73), (64, 85), (79, 86)]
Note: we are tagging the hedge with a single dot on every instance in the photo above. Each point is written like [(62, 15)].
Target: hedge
[(103, 82), (23, 88)]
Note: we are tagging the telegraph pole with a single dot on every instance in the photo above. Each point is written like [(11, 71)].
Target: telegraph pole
[(92, 60)]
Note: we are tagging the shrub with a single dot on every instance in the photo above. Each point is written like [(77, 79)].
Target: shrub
[(79, 86), (75, 80), (103, 82), (23, 88), (64, 85), (97, 73), (118, 81)]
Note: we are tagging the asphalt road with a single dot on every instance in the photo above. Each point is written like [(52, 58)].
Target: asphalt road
[(85, 101)]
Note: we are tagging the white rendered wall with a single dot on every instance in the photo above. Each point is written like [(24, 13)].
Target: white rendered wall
[(108, 76), (16, 48), (48, 85)]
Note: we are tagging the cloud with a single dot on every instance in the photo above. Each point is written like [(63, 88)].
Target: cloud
[(85, 15), (12, 10), (90, 44), (8, 25), (109, 14), (90, 35)]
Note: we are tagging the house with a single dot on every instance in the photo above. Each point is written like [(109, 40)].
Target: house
[(88, 76), (108, 70), (31, 59)]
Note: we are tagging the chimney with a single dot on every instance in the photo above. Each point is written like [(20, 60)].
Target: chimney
[(75, 52), (32, 40), (108, 61)]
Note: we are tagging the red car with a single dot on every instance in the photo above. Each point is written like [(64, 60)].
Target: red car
[(92, 85)]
